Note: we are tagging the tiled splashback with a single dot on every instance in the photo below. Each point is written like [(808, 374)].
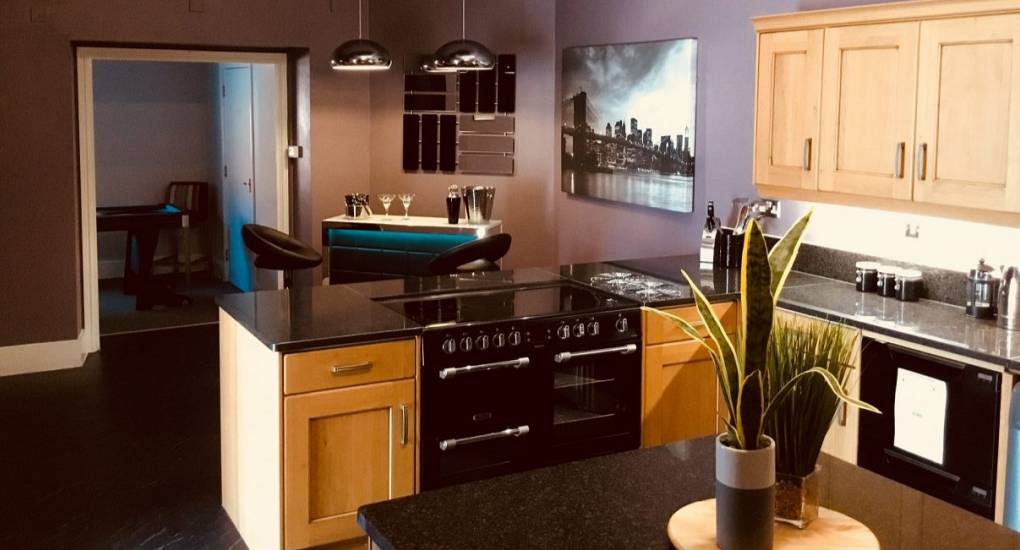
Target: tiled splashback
[(948, 244)]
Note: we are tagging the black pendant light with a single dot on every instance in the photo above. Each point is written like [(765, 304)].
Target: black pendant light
[(361, 54), (461, 55)]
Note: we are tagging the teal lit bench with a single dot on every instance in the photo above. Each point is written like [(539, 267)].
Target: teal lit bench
[(357, 255)]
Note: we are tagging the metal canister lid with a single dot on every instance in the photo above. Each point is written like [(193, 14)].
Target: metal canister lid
[(908, 275), (888, 270), (867, 266)]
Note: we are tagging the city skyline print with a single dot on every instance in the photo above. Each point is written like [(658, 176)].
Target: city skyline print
[(627, 127)]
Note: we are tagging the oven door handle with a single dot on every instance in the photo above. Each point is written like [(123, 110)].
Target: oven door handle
[(565, 356), (450, 444), (451, 372)]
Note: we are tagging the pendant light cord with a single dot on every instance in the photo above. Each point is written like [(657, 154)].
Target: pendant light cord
[(463, 19), (359, 20)]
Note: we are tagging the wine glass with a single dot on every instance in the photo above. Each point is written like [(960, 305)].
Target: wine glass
[(406, 199), (386, 199)]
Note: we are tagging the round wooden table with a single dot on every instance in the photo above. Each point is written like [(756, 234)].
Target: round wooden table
[(693, 528)]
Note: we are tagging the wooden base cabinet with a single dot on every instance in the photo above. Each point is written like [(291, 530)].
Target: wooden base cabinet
[(307, 438), (342, 449), (680, 387)]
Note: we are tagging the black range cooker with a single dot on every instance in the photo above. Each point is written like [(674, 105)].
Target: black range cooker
[(526, 376)]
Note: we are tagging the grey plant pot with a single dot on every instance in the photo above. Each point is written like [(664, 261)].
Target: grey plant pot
[(745, 483)]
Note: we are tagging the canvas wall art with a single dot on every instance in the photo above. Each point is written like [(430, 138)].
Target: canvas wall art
[(627, 128)]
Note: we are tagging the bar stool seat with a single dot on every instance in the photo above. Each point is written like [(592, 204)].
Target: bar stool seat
[(277, 250), (477, 255)]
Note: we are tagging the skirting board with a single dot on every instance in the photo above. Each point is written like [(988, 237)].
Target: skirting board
[(42, 356)]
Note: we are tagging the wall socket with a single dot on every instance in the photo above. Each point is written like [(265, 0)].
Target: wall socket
[(913, 231)]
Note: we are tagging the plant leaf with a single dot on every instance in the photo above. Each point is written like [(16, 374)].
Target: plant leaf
[(757, 308), (833, 384), (783, 255), (733, 362)]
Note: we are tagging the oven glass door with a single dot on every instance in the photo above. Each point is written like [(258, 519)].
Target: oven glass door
[(596, 397)]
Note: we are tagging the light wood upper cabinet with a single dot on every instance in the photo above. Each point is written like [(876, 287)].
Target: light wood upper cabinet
[(968, 113), (918, 107), (786, 125), (868, 90), (343, 449)]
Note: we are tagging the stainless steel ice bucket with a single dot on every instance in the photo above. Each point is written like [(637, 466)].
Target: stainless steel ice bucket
[(478, 202)]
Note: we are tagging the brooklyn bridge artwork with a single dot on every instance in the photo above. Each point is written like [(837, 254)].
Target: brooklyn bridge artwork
[(627, 128)]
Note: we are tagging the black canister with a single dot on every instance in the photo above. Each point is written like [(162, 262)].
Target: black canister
[(734, 249), (453, 205), (908, 285), (886, 281), (867, 276), (982, 291)]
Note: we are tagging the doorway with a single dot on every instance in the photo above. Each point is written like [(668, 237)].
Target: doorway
[(129, 156)]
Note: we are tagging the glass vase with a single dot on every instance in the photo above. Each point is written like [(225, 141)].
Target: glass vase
[(797, 498)]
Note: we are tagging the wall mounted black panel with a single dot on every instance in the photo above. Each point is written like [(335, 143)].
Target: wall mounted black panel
[(447, 143), (424, 83), (429, 139), (468, 91), (487, 91), (411, 123), (424, 102), (507, 77)]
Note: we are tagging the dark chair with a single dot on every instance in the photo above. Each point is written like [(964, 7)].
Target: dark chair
[(277, 250), (478, 255)]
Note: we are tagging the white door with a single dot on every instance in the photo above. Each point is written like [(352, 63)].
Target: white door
[(238, 172)]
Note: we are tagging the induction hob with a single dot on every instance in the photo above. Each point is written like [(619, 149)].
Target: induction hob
[(505, 304)]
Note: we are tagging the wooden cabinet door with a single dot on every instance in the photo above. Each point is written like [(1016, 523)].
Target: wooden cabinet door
[(680, 393), (968, 113), (868, 96), (342, 449), (786, 110)]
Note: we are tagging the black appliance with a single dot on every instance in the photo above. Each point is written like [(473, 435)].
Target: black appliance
[(949, 415), (521, 377)]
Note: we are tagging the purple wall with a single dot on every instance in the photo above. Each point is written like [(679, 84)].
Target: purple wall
[(594, 230)]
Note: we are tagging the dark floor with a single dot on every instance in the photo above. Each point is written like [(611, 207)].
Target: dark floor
[(117, 312), (121, 453)]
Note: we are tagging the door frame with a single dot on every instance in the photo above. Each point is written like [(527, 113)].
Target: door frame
[(84, 58)]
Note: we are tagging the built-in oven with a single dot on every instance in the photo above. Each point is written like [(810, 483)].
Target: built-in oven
[(594, 370), (939, 427)]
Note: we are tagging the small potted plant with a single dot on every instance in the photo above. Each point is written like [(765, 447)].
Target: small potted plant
[(745, 454)]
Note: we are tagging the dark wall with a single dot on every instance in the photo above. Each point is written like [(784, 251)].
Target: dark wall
[(40, 294)]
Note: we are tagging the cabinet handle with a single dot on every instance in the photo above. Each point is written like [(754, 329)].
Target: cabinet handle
[(807, 154), (842, 415), (901, 150), (338, 370), (922, 161), (403, 424)]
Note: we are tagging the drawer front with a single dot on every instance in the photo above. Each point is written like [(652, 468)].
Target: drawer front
[(348, 366), (659, 331)]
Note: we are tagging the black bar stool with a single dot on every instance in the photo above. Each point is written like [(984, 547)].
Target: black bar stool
[(277, 250), (478, 255)]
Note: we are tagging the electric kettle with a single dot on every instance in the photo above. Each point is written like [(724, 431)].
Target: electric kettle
[(1009, 298)]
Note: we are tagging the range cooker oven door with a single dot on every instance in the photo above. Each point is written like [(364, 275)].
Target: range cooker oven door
[(473, 423), (939, 427), (596, 399)]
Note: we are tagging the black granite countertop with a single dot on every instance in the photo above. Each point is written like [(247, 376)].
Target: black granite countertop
[(308, 318), (625, 501)]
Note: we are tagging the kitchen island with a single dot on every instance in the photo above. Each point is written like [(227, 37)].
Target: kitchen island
[(625, 500)]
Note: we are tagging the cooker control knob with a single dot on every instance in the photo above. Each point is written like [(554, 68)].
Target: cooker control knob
[(514, 338), (482, 342), (449, 346), (622, 325), (466, 343), (499, 340), (593, 328), (579, 329), (563, 332)]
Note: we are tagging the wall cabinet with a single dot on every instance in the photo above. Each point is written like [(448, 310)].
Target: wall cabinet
[(918, 107), (307, 438), (786, 125), (680, 389)]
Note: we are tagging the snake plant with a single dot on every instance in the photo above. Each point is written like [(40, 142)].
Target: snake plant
[(740, 363)]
